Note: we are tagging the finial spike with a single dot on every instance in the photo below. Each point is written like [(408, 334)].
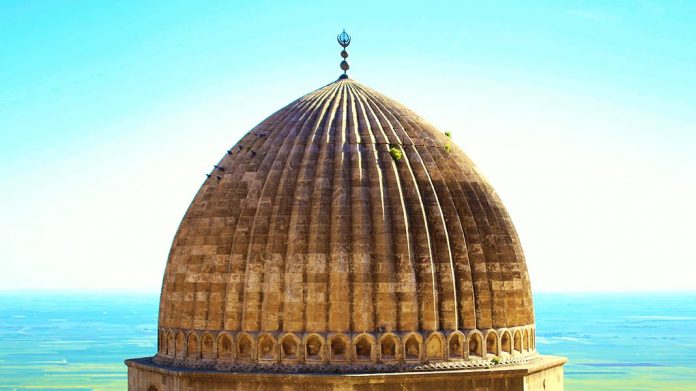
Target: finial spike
[(344, 40)]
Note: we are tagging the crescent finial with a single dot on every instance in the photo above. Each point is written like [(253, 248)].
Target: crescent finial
[(344, 40)]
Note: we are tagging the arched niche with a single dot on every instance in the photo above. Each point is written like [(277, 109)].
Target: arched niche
[(475, 345), (455, 346), (266, 348), (412, 348), (339, 348), (162, 342), (180, 345), (207, 347), (363, 348), (244, 347), (506, 342), (313, 347), (224, 347), (170, 344), (387, 347), (434, 347), (288, 348), (192, 346), (517, 342), (492, 343)]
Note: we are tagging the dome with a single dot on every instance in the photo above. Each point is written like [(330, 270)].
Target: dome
[(344, 232)]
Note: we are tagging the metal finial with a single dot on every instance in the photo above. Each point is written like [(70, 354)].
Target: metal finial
[(344, 40)]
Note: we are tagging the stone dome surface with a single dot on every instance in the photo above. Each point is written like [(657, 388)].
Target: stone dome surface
[(313, 243)]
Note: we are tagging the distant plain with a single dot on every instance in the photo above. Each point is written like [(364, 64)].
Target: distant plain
[(78, 341)]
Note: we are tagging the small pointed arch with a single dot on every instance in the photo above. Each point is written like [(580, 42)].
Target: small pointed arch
[(517, 342), (434, 347), (525, 340), (505, 342), (492, 343), (224, 347), (170, 343), (266, 348), (338, 348), (207, 347), (455, 346), (475, 345), (180, 345), (289, 347), (161, 342), (314, 346), (388, 347), (245, 347), (412, 347), (192, 350), (363, 347)]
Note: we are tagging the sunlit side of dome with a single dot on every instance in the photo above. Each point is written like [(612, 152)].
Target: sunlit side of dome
[(344, 230)]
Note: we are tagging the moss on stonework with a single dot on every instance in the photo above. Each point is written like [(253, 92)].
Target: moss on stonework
[(395, 152)]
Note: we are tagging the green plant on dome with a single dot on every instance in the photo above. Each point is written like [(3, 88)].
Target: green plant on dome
[(395, 152), (448, 147), (448, 134)]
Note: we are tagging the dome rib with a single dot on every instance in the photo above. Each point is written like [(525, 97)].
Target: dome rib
[(489, 253), (246, 205), (472, 241), (410, 308), (439, 244), (318, 235), (339, 275), (274, 279), (426, 271), (245, 208), (295, 295), (309, 226), (463, 270), (253, 274), (385, 308), (231, 315), (271, 320), (256, 266), (190, 289)]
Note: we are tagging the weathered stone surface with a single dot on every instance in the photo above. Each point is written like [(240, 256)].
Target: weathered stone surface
[(543, 374), (344, 234)]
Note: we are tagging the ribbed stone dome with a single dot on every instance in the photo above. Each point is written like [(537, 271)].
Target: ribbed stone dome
[(313, 245)]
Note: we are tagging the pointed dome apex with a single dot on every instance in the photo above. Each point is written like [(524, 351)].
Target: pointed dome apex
[(346, 231)]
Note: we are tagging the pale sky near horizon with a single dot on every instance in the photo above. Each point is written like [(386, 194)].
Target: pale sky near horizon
[(582, 115)]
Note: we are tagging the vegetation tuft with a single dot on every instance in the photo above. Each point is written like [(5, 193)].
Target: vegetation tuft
[(395, 152)]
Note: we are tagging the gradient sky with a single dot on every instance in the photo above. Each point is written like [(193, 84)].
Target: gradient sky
[(581, 114)]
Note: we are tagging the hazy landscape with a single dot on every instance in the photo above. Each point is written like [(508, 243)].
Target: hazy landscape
[(78, 341)]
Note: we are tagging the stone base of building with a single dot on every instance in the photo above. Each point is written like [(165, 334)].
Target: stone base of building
[(543, 374)]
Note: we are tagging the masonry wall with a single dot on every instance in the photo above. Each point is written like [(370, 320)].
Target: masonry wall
[(545, 375)]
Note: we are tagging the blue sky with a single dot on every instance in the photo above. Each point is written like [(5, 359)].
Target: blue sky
[(582, 114)]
